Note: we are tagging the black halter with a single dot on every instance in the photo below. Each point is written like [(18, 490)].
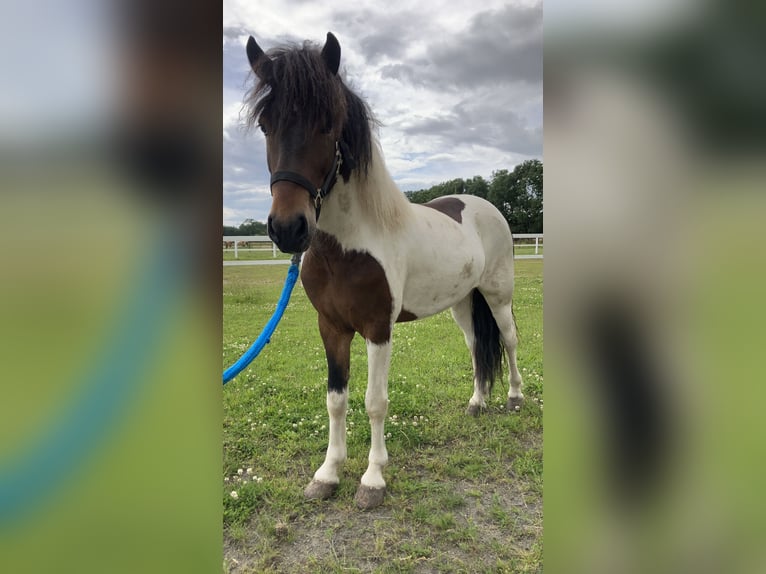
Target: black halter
[(317, 193)]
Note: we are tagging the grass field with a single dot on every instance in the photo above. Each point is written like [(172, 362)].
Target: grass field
[(464, 494)]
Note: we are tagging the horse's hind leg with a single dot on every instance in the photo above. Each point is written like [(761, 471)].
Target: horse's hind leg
[(503, 314), (461, 312)]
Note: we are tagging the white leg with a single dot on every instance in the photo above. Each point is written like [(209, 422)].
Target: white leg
[(337, 404), (326, 478), (507, 325), (515, 396), (372, 489), (462, 315), (337, 348)]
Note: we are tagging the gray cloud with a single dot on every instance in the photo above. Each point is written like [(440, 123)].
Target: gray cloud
[(234, 32), (498, 47), (392, 34), (453, 105), (485, 120)]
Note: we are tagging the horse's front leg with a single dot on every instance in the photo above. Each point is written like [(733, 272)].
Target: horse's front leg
[(337, 344), (372, 489)]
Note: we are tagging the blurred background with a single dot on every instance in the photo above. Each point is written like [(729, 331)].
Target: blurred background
[(655, 125), (110, 211)]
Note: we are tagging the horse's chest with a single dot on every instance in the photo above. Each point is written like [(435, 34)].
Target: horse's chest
[(349, 288)]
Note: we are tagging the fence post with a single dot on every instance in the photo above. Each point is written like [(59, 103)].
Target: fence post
[(536, 240), (235, 249), (273, 249)]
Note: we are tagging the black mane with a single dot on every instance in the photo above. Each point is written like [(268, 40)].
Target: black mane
[(301, 90)]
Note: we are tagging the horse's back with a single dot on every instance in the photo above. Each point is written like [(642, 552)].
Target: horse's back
[(480, 217), (456, 243), (484, 220)]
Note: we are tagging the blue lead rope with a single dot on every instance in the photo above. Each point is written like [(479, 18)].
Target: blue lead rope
[(268, 330)]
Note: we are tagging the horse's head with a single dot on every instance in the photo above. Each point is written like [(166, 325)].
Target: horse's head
[(300, 104)]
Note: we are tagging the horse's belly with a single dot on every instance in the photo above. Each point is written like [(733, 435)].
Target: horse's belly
[(430, 289)]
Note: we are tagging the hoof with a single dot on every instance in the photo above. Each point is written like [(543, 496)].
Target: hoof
[(475, 410), (319, 490), (368, 498), (514, 404)]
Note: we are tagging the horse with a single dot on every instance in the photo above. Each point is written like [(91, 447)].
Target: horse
[(370, 257)]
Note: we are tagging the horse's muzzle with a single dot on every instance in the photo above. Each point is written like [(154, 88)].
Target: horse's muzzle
[(292, 235)]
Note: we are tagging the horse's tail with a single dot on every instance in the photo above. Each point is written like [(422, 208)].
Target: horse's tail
[(488, 347)]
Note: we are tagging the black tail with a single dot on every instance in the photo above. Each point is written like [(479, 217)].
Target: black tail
[(488, 347)]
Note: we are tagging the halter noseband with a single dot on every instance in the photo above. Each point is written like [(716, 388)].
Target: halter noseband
[(317, 193)]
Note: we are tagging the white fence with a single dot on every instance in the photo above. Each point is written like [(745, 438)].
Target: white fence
[(237, 239), (538, 237), (265, 244)]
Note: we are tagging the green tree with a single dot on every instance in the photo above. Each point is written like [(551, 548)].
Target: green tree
[(249, 227), (252, 228), (445, 188), (477, 186), (519, 196)]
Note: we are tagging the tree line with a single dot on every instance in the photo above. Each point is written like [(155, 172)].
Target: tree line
[(249, 227), (517, 194)]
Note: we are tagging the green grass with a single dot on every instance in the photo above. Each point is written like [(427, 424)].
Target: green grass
[(464, 494)]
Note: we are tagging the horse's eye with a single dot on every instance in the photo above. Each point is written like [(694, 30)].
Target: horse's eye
[(263, 129)]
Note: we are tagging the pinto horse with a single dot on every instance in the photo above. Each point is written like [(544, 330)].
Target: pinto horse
[(371, 257)]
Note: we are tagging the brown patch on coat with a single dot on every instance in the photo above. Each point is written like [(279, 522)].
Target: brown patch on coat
[(348, 289), (450, 206)]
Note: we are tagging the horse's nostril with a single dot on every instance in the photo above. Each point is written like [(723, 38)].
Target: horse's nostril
[(301, 228), (270, 228)]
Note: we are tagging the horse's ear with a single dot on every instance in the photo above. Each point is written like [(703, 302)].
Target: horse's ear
[(259, 61), (331, 53)]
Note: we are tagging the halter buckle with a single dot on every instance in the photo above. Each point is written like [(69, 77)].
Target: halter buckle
[(338, 159)]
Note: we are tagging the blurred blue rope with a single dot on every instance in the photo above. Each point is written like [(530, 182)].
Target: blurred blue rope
[(28, 479)]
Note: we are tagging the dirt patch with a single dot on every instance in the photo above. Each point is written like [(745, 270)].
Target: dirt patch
[(461, 525)]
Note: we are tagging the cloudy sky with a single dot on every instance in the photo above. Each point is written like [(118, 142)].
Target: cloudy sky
[(459, 89)]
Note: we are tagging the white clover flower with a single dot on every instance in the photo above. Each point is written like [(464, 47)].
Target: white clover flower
[(234, 494), (249, 471), (240, 472)]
